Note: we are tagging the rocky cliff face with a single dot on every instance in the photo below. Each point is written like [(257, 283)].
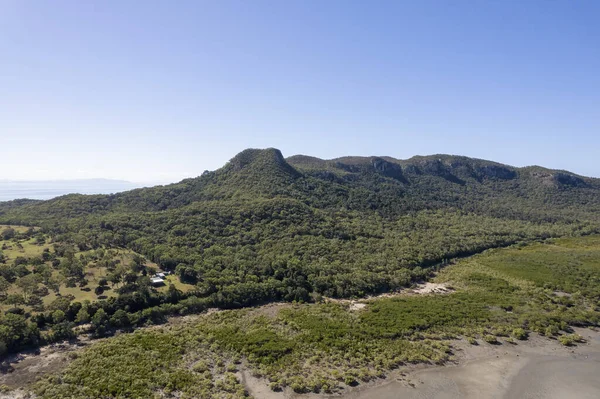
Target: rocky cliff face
[(386, 168)]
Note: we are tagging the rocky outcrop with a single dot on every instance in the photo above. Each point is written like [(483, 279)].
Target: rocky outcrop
[(387, 168), (497, 172), (568, 180), (265, 161), (556, 179)]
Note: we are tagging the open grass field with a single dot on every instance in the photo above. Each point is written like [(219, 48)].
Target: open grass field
[(174, 280), (24, 248), (18, 229), (499, 296), (95, 267)]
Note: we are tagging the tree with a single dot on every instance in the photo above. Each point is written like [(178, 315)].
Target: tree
[(137, 262), (130, 278), (83, 316), (72, 268), (61, 303), (120, 318), (8, 233), (28, 284), (14, 299), (16, 331), (114, 278), (53, 284), (40, 239), (4, 286), (99, 290), (99, 321), (36, 302), (44, 272), (62, 330), (46, 255), (20, 260), (99, 317), (58, 316)]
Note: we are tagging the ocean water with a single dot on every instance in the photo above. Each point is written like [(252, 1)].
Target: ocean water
[(44, 190)]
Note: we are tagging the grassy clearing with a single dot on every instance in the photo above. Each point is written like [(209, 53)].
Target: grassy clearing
[(25, 248), (174, 280), (18, 229), (96, 263)]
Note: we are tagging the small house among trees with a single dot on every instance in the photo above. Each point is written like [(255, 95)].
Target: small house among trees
[(157, 281)]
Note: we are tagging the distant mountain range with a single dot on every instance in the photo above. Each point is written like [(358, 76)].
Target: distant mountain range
[(47, 189)]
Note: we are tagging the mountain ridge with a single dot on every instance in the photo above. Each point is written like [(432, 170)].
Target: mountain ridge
[(247, 165), (446, 159), (419, 182)]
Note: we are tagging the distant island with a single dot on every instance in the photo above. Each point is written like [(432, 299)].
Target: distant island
[(48, 189)]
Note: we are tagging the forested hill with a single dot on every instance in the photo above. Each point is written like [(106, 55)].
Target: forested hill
[(382, 184), (285, 228)]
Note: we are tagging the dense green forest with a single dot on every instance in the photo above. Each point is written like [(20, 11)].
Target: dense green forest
[(263, 229)]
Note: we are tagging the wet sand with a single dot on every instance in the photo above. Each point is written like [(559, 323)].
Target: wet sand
[(503, 378), (555, 378), (530, 370)]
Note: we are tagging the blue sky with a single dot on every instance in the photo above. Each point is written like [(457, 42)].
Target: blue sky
[(161, 90)]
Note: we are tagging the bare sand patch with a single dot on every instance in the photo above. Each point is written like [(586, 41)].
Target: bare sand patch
[(561, 294), (432, 288), (22, 369), (357, 306), (257, 387), (421, 289), (17, 394)]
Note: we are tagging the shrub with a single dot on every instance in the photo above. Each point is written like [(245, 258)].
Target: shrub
[(298, 387), (566, 340), (350, 380), (231, 368), (570, 339), (275, 386), (519, 334), (551, 330), (491, 339)]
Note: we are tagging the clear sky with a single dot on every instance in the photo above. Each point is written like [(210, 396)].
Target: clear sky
[(161, 90)]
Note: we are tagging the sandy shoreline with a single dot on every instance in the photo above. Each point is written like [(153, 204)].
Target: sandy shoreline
[(502, 378), (533, 369)]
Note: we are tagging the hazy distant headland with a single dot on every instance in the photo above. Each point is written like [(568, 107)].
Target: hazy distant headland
[(46, 189)]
